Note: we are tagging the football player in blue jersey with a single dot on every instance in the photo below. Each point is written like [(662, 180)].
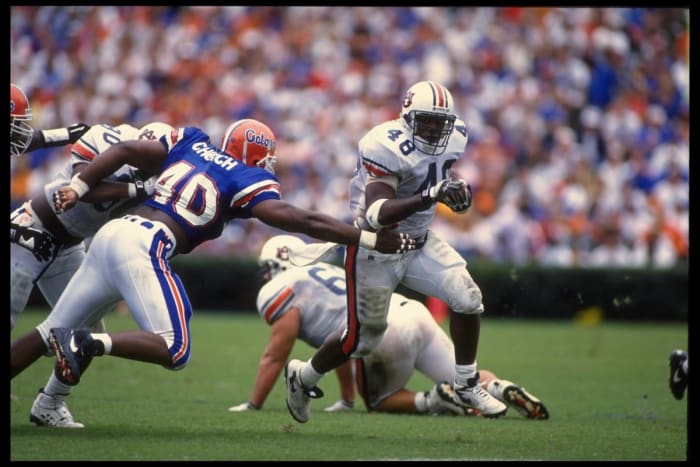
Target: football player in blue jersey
[(199, 189)]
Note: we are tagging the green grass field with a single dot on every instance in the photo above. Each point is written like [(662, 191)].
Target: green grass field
[(606, 388)]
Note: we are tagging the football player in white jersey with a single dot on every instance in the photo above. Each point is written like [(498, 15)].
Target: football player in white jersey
[(47, 246), (308, 303), (404, 168)]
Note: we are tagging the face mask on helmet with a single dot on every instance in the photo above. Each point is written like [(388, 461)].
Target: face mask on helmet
[(274, 256), (428, 112), (21, 132), (251, 142)]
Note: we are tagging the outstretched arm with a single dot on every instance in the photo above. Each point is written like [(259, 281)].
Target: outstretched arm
[(283, 215), (57, 136)]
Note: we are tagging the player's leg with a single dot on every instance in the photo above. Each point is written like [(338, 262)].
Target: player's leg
[(138, 261), (438, 270), (369, 284)]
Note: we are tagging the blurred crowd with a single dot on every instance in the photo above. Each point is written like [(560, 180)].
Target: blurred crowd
[(578, 118)]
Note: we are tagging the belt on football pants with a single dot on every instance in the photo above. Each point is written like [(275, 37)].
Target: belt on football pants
[(149, 224), (420, 241)]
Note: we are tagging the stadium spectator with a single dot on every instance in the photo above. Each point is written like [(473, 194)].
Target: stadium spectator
[(528, 72)]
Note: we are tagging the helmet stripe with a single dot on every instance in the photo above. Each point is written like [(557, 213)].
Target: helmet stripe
[(439, 95)]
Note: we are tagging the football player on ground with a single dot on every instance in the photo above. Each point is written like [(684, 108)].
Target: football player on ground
[(199, 189), (404, 170), (308, 303)]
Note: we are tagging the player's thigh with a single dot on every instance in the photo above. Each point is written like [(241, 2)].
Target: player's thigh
[(55, 279)]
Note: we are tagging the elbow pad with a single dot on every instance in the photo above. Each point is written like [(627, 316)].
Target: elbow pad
[(372, 214)]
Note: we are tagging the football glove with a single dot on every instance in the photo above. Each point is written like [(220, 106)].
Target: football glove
[(445, 188), (244, 407), (459, 201), (340, 406)]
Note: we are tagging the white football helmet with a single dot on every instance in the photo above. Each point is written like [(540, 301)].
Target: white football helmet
[(21, 132), (274, 256), (155, 131), (251, 142), (428, 111)]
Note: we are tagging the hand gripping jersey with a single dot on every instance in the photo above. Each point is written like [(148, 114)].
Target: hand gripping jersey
[(388, 150), (85, 218), (202, 188)]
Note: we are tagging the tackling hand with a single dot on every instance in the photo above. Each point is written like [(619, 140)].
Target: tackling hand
[(65, 198), (389, 241)]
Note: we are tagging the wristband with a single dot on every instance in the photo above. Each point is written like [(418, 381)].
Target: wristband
[(58, 135), (137, 189), (368, 240), (79, 186), (372, 214)]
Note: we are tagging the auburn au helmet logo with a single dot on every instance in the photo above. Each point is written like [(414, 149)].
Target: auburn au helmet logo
[(408, 100)]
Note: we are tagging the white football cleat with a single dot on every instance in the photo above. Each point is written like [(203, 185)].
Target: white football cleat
[(440, 400), (298, 397), (52, 411), (476, 397)]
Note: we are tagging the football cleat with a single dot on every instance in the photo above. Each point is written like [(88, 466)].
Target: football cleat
[(52, 411), (476, 397), (298, 397), (528, 405), (441, 400), (67, 344), (678, 380)]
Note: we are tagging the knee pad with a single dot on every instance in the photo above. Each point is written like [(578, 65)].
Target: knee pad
[(372, 309), (463, 295)]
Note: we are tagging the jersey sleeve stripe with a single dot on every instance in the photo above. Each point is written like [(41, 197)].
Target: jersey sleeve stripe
[(244, 197), (375, 169), (272, 309), (83, 150)]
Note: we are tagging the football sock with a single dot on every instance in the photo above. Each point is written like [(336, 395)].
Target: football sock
[(54, 386), (101, 345), (309, 376), (464, 374), (421, 401)]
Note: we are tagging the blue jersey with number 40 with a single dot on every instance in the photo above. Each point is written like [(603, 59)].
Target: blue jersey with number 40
[(202, 188)]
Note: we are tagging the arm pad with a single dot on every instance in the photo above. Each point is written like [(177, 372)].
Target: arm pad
[(372, 214)]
